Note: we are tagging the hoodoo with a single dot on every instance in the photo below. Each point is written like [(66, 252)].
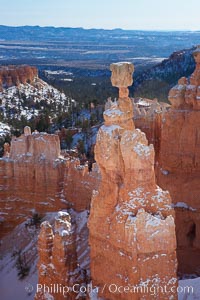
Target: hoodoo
[(15, 75), (57, 265), (131, 224)]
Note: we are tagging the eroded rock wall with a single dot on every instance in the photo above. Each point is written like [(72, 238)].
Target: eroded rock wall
[(27, 188), (35, 178), (175, 134), (79, 184), (14, 75), (178, 171), (178, 168), (31, 178)]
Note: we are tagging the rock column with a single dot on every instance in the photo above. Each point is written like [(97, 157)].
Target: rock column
[(57, 265), (131, 224)]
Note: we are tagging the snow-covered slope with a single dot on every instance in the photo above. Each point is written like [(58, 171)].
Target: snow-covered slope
[(20, 244), (156, 81), (5, 134), (28, 100), (180, 63), (4, 130)]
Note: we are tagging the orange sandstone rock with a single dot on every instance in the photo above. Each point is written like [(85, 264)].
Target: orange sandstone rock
[(79, 184), (122, 74), (178, 171), (14, 75), (6, 148), (131, 224), (174, 131), (35, 147), (35, 178), (57, 265)]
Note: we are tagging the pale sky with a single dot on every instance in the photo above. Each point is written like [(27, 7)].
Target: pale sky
[(107, 14)]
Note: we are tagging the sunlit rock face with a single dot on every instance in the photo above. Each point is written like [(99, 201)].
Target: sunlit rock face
[(14, 75), (34, 177), (122, 74), (35, 147), (131, 224)]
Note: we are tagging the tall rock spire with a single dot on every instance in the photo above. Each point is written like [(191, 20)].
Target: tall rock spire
[(57, 265), (131, 224)]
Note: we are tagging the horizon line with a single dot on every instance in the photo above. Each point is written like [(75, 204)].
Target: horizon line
[(101, 28)]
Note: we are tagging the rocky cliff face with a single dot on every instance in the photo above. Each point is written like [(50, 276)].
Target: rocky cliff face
[(178, 167), (131, 224), (35, 147), (174, 131), (31, 176), (147, 117), (14, 75), (35, 178), (79, 184)]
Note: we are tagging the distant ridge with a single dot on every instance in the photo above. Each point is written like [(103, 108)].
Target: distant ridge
[(160, 78)]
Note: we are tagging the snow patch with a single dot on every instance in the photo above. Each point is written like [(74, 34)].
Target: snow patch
[(183, 205), (142, 150), (113, 112), (109, 129)]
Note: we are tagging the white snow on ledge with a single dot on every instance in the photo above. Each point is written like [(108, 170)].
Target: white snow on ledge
[(179, 87), (121, 63), (154, 221), (109, 129), (142, 150), (113, 112), (183, 205)]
